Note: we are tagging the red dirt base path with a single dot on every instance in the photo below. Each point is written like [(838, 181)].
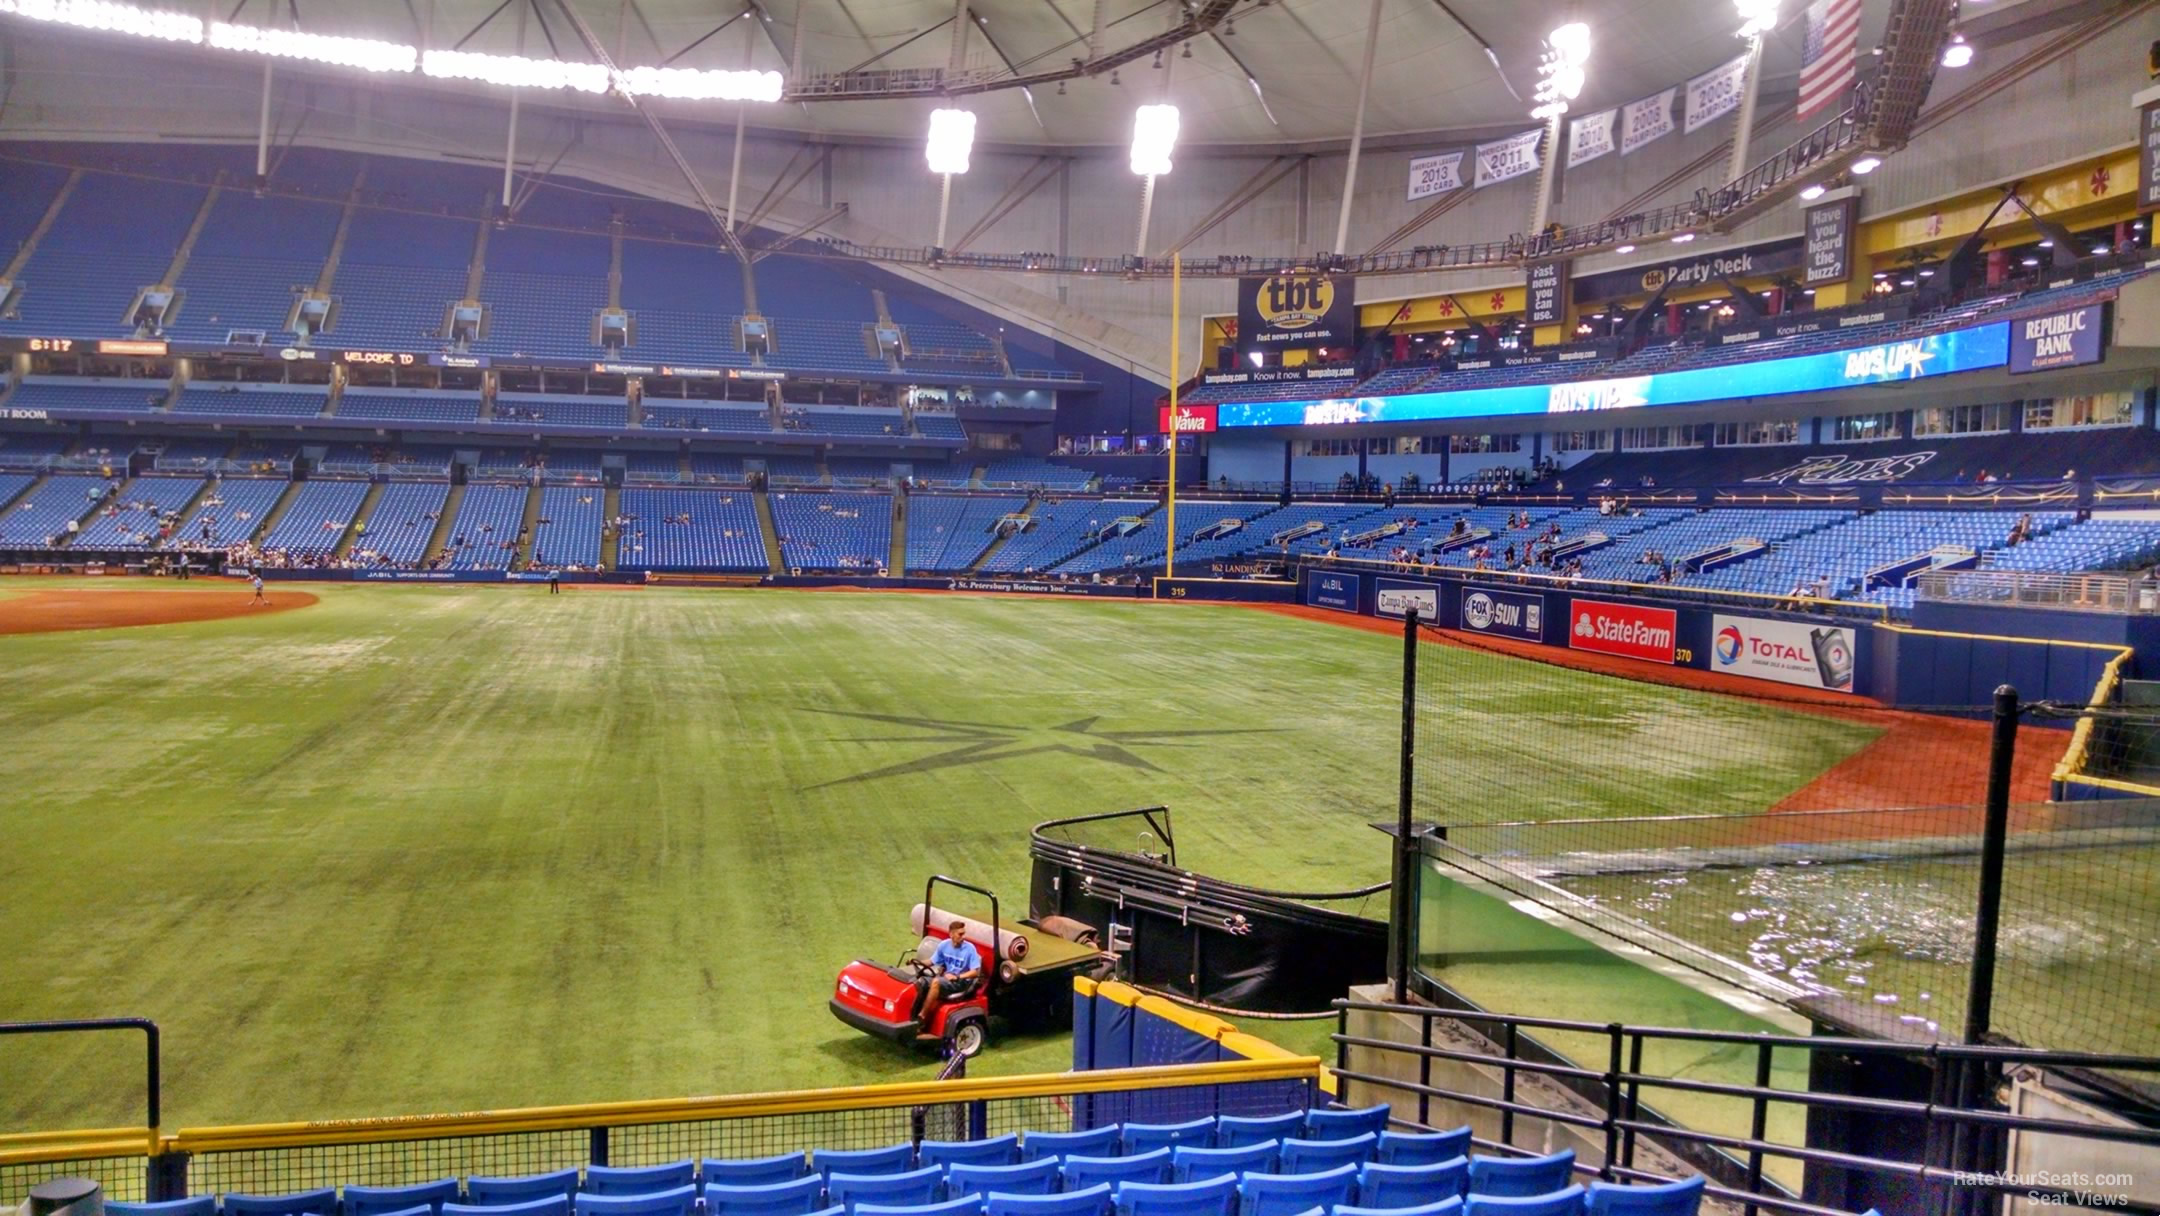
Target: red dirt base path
[(1918, 760), (65, 611)]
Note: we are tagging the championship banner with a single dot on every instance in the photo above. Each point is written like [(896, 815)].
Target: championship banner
[(1590, 137), (1829, 231), (1430, 175), (1646, 120), (1506, 158), (1715, 93), (1545, 294), (1788, 652), (1296, 309)]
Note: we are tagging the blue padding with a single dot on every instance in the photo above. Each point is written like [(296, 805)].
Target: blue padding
[(1683, 1198), (998, 1150), (754, 1171), (1113, 1030), (1188, 1163), (1083, 1172), (1158, 1040), (911, 1189), (1094, 1201), (968, 1205), (1083, 1031), (320, 1203), (1423, 1148), (379, 1200), (509, 1192), (1319, 1156), (676, 1202), (1343, 1124), (1291, 1194), (641, 1180), (1502, 1177), (1568, 1202), (1412, 1186), (798, 1198), (1141, 1138), (1236, 1131), (1215, 1196), (1097, 1142), (552, 1205), (893, 1159), (1446, 1207), (200, 1205), (1027, 1178)]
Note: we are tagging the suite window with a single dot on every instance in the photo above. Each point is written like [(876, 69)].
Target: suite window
[(1962, 419), (1860, 428), (2087, 409), (1758, 434), (1649, 438), (1582, 441)]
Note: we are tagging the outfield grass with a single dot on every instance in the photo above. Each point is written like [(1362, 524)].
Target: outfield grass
[(442, 849)]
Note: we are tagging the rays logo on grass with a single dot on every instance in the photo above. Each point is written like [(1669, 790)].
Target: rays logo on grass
[(1727, 647)]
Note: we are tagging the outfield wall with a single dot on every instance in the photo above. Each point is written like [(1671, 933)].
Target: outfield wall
[(1116, 1025)]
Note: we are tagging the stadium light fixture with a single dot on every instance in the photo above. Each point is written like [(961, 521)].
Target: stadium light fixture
[(367, 54), (1813, 192), (109, 17), (1957, 52), (1154, 134), (691, 84), (1683, 238), (1757, 17), (952, 136), (1866, 165), (1560, 70), (515, 71), (1623, 249)]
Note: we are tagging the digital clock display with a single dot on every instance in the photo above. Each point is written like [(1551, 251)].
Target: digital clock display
[(58, 346)]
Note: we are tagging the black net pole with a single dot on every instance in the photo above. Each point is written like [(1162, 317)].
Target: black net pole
[(2002, 748), (1405, 839)]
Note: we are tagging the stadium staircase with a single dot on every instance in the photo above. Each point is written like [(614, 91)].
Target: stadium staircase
[(997, 343), (896, 560), (998, 542), (527, 526), (610, 538), (277, 511), (361, 518), (187, 243), (770, 533), (440, 538), (14, 268), (336, 399), (336, 256)]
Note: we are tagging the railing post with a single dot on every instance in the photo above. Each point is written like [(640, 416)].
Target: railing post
[(1507, 1089), (166, 1177), (1987, 916), (1759, 1121), (1614, 1034), (596, 1152), (1405, 839), (1342, 1055), (1634, 1103), (1424, 1074)]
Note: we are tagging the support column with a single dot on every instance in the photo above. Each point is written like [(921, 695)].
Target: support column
[(1750, 85), (510, 145), (1541, 207), (742, 115), (262, 130), (1357, 131)]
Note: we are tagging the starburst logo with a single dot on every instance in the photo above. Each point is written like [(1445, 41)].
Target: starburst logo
[(960, 744)]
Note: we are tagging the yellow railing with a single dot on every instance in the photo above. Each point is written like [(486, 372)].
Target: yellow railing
[(31, 1148), (2071, 768)]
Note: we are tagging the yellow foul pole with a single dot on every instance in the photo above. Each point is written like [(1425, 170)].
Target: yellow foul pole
[(1170, 539)]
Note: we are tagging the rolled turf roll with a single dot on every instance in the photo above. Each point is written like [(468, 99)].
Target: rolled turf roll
[(1010, 945)]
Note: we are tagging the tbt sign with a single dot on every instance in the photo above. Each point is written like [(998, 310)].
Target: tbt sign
[(1545, 293), (1191, 419), (1300, 309), (1787, 652), (1630, 631), (1829, 228), (2059, 339)]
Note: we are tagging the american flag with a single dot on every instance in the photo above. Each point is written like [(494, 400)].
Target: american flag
[(1828, 58)]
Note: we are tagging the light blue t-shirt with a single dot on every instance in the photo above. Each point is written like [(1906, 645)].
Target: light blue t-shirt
[(956, 958)]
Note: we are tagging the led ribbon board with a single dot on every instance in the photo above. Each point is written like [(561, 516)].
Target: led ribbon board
[(1962, 350)]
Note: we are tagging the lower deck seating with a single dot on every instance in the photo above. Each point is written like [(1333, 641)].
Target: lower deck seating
[(41, 516), (143, 515), (567, 534), (398, 529), (673, 529), (1061, 528), (229, 512), (1032, 472), (317, 519), (486, 532), (946, 533), (834, 531)]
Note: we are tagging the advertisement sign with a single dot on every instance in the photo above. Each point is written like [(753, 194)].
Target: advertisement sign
[(1296, 309), (1506, 158), (1590, 137), (1644, 121), (1789, 652), (1630, 631), (2149, 156), (1829, 235), (2059, 339), (1191, 419), (1393, 597), (1961, 350), (1510, 614), (1715, 93), (1280, 375), (1545, 294), (1780, 327), (1770, 257), (1430, 175), (1330, 589)]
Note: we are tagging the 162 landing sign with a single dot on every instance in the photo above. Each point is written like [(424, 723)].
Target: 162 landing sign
[(1296, 310)]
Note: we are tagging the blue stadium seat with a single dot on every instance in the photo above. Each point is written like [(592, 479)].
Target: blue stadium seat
[(798, 1198), (913, 1188), (1446, 1207), (1039, 1177), (1235, 1131), (676, 1202), (1291, 1194), (1411, 1186), (638, 1180), (1423, 1148), (1319, 1156), (1519, 1176), (1683, 1198), (198, 1205), (505, 1192), (1083, 1172), (321, 1202), (754, 1171), (1090, 1201), (893, 1159), (966, 1205), (1345, 1124), (1141, 1138), (551, 1205), (1188, 1162), (1100, 1142), (998, 1150), (379, 1200), (1568, 1202), (1216, 1196)]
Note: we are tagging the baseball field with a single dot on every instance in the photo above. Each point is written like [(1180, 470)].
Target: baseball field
[(412, 849)]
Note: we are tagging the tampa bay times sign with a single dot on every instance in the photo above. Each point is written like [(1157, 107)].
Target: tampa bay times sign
[(1296, 310)]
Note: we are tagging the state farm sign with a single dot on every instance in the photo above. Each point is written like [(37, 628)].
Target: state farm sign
[(1627, 630), (1191, 419)]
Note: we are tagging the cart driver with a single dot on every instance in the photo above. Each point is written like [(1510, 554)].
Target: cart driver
[(955, 970)]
